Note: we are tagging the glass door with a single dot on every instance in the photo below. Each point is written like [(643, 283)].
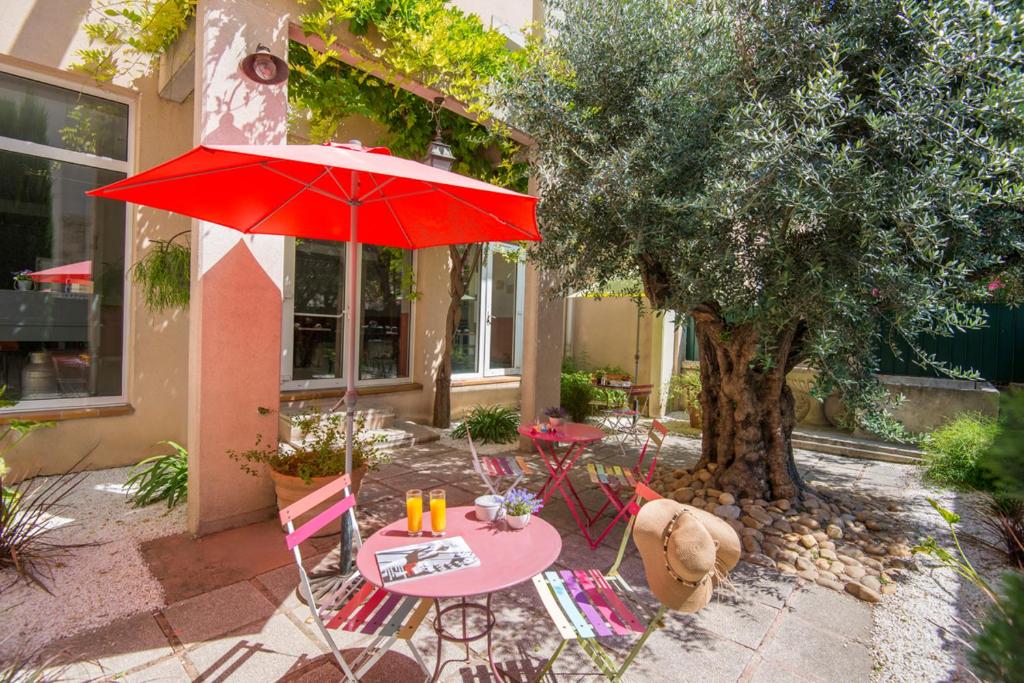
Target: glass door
[(503, 278)]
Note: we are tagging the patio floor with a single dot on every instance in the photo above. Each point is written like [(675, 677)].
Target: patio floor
[(232, 612)]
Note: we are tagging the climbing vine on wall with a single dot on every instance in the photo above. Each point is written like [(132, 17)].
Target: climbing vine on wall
[(128, 35)]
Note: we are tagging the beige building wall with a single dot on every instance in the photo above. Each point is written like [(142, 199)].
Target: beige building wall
[(42, 37)]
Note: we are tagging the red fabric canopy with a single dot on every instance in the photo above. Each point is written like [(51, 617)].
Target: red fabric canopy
[(309, 190), (80, 272)]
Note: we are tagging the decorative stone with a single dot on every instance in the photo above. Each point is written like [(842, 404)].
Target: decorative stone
[(803, 563), (827, 553), (875, 549), (837, 568), (726, 511), (855, 571), (760, 514), (683, 495), (898, 550), (788, 556), (872, 583), (785, 567), (808, 541), (872, 563), (727, 499), (712, 466), (698, 502), (861, 591), (751, 545), (846, 559), (751, 522), (762, 560), (828, 583), (808, 574), (782, 525), (703, 475), (781, 503), (888, 588), (822, 564), (712, 493), (735, 524)]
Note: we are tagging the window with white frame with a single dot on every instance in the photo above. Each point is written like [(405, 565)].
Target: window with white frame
[(62, 254), (313, 339), (489, 338)]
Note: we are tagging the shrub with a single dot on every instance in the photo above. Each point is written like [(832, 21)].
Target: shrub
[(952, 451), (612, 398), (162, 477), (321, 453), (685, 387), (996, 652), (489, 424), (577, 394)]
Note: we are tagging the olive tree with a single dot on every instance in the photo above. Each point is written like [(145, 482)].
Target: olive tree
[(806, 179)]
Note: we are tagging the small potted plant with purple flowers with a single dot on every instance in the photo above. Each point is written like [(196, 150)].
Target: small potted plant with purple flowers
[(519, 506), (23, 279), (555, 415)]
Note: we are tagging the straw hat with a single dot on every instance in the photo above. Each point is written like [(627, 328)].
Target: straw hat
[(685, 550)]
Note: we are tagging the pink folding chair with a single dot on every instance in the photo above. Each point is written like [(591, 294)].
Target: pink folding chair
[(588, 606), (355, 605), (613, 480), (493, 469)]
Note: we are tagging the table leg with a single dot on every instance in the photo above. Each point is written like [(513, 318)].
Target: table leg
[(559, 480), (464, 606)]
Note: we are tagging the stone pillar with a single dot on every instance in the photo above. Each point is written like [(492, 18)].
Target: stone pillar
[(235, 309), (543, 327)]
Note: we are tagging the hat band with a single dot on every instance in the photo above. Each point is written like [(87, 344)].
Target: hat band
[(664, 549)]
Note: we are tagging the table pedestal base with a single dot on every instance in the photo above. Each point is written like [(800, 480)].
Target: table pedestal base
[(464, 606)]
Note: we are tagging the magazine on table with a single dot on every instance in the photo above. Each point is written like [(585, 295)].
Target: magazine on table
[(430, 558)]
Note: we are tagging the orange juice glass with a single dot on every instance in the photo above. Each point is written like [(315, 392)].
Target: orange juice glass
[(414, 511), (438, 517)]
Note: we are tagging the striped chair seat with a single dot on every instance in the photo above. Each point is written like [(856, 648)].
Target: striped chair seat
[(584, 603), (612, 475), (361, 607), (586, 606), (506, 465)]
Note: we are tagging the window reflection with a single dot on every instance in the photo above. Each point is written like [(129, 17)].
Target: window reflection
[(384, 320)]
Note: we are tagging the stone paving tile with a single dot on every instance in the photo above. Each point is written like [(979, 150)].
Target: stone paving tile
[(690, 655), (168, 670), (217, 612), (117, 647), (752, 582), (835, 654), (747, 623), (776, 671), (262, 651), (828, 609)]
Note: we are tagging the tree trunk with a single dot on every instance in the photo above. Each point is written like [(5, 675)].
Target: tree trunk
[(464, 262), (747, 407)]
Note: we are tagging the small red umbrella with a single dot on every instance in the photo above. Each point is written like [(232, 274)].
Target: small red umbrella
[(80, 272), (341, 192)]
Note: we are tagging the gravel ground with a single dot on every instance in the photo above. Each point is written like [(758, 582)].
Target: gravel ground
[(95, 584), (915, 635)]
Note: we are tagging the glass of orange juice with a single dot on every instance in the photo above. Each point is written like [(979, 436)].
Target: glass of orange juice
[(438, 517), (414, 511)]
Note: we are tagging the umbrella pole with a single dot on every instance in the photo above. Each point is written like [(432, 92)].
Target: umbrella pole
[(351, 290)]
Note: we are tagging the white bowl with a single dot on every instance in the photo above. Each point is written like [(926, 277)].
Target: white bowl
[(488, 508)]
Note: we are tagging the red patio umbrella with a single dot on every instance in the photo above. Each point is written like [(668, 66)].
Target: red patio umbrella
[(333, 191), (80, 272)]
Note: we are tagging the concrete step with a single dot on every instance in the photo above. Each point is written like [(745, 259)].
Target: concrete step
[(840, 443), (402, 435), (374, 418)]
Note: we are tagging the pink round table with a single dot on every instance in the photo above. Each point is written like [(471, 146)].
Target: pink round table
[(507, 557)]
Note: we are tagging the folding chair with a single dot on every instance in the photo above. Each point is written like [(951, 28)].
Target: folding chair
[(624, 421), (493, 468), (586, 606), (356, 605), (613, 480)]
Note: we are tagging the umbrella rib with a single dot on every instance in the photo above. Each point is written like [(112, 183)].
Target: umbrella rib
[(399, 224), (284, 203), (330, 172), (484, 212), (305, 185), (400, 196), (377, 186), (183, 176)]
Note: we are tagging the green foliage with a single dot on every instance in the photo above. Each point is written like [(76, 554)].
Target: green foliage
[(685, 386), (996, 653), (161, 477), (489, 424), (809, 170), (129, 34), (577, 394), (164, 275), (952, 451), (320, 453), (612, 398), (1004, 460), (12, 433), (956, 561)]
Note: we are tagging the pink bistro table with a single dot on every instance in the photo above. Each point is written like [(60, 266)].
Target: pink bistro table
[(577, 437), (507, 557)]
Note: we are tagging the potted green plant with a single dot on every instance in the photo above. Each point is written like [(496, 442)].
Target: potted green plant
[(519, 506), (316, 460), (22, 279)]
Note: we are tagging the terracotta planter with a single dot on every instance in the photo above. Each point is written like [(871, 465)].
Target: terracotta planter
[(291, 489)]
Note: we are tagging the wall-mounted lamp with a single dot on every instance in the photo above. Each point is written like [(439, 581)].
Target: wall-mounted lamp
[(439, 153), (263, 67)]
